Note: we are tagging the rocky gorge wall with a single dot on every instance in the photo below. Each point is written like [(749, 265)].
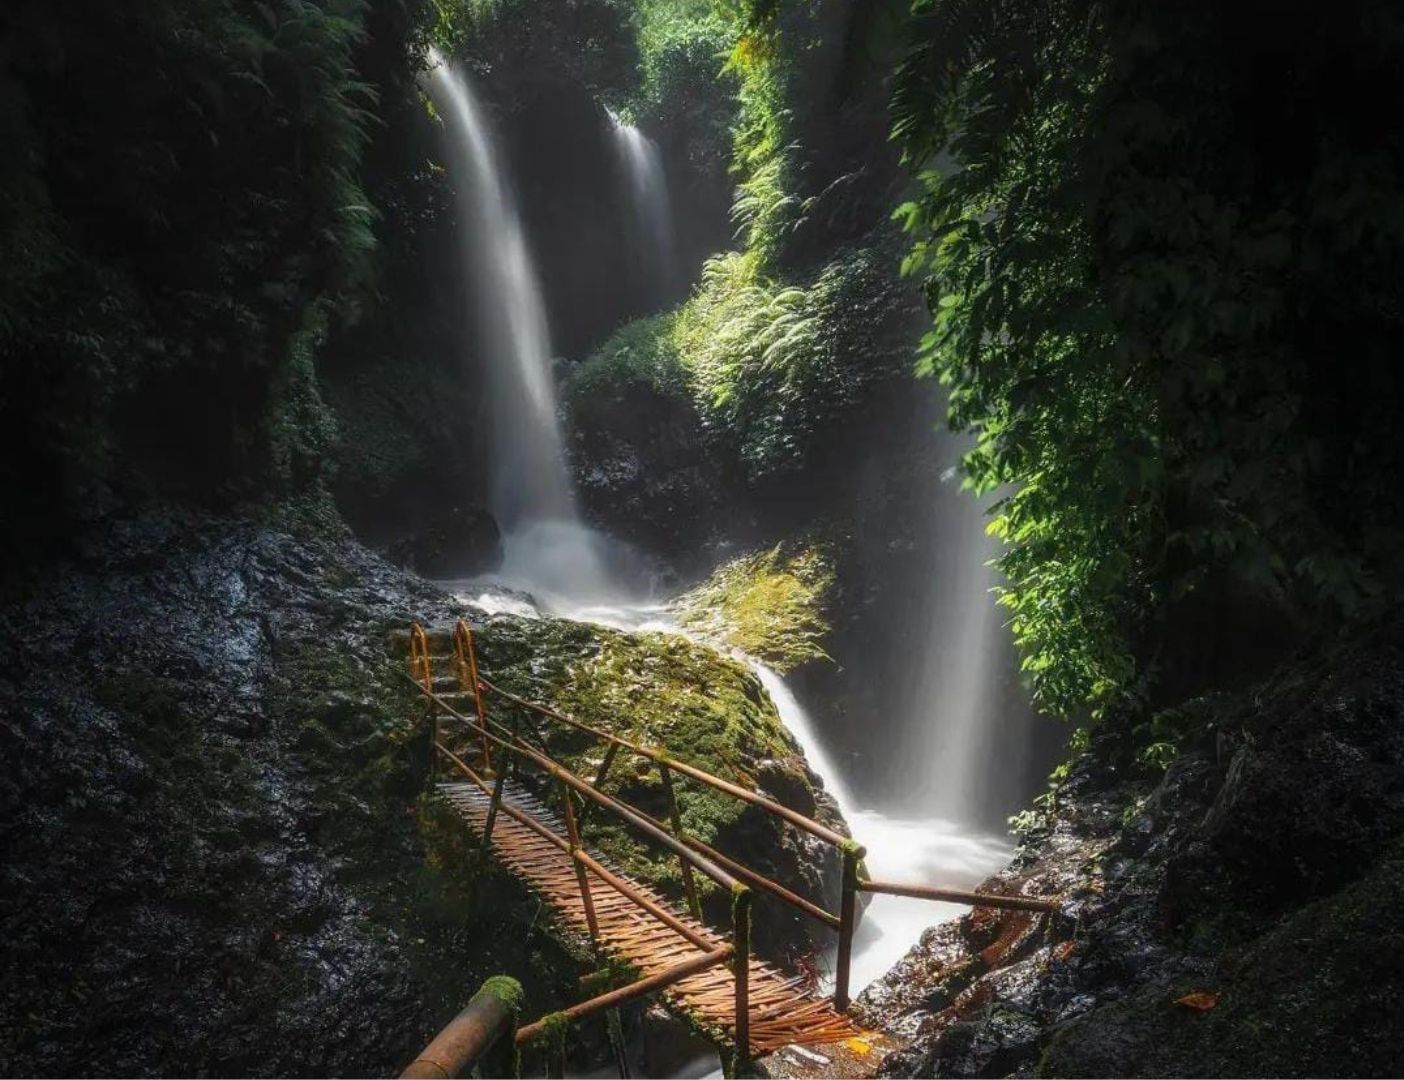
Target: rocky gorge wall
[(1231, 915), (217, 858)]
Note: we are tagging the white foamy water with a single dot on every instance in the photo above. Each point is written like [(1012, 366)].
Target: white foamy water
[(921, 851)]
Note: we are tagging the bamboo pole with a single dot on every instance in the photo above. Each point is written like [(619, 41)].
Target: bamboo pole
[(610, 752), (420, 664), (848, 917), (618, 884), (495, 801), (585, 898), (675, 818), (745, 874), (741, 972), (463, 643), (751, 877), (769, 805), (491, 1014), (665, 978), (960, 896)]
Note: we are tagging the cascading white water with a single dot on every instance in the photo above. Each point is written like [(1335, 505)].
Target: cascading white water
[(654, 237), (530, 492), (528, 466), (930, 851), (550, 553)]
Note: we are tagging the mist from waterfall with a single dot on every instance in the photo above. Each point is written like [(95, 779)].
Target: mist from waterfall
[(965, 744), (530, 492), (652, 233)]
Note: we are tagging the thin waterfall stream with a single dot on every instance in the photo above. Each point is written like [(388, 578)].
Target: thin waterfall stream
[(546, 547), (653, 236)]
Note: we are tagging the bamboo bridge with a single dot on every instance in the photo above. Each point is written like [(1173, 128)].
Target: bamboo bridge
[(748, 1008)]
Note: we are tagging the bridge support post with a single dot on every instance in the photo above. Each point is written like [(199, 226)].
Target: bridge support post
[(675, 819), (741, 971), (848, 916), (583, 878), (610, 753), (496, 800)]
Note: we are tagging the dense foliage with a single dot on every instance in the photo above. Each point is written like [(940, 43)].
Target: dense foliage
[(588, 40), (182, 215), (1164, 247), (783, 341), (772, 369)]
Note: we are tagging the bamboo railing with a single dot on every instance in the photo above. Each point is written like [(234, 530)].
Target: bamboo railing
[(693, 854)]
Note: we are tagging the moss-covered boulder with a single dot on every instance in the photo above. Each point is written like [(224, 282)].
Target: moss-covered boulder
[(769, 604), (702, 708)]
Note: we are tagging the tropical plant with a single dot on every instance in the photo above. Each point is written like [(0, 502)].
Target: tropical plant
[(1163, 255)]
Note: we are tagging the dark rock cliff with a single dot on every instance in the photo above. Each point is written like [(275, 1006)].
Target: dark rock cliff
[(216, 858)]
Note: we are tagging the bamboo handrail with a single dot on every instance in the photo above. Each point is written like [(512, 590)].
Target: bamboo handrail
[(618, 808), (491, 1014), (795, 818), (692, 853), (745, 873), (466, 661), (602, 872), (749, 876), (960, 896), (662, 980)]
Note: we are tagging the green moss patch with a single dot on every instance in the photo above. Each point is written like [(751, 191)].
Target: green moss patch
[(658, 690), (769, 604)]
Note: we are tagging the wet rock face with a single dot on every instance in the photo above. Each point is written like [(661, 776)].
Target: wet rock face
[(644, 471), (1231, 917), (212, 863), (214, 860), (453, 542)]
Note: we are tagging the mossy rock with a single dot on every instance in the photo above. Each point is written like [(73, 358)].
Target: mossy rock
[(702, 708), (769, 604)]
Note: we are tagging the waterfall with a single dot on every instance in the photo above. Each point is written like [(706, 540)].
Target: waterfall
[(921, 850), (966, 746), (652, 234), (564, 564), (530, 494), (528, 463)]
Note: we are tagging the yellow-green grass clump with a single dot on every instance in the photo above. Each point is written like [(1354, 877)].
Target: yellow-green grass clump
[(769, 604)]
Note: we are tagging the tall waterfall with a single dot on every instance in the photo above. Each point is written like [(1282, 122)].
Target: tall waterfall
[(966, 747), (546, 547), (509, 320), (653, 235)]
